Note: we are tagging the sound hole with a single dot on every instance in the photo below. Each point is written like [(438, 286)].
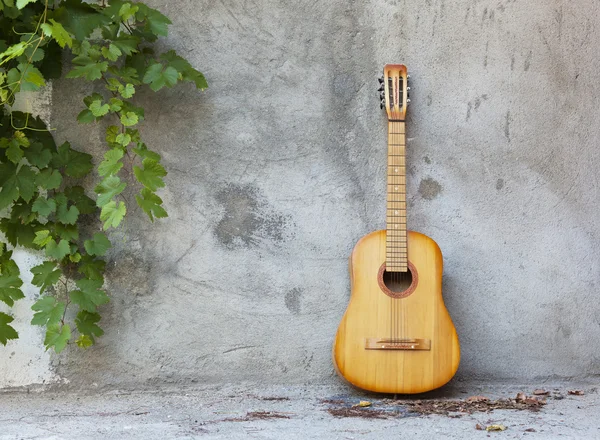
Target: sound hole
[(397, 282)]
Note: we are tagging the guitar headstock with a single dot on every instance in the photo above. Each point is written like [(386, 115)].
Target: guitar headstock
[(394, 91)]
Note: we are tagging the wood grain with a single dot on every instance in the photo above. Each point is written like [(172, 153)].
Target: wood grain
[(373, 314)]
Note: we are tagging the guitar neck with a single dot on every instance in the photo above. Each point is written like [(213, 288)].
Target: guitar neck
[(396, 248)]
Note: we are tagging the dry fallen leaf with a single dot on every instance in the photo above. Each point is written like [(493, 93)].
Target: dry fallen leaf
[(477, 399), (496, 428), (520, 397), (362, 404), (478, 427), (576, 392), (539, 392)]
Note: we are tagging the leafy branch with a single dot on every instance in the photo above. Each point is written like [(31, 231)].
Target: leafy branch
[(44, 206)]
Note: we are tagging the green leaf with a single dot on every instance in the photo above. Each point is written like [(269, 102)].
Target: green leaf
[(128, 119), (157, 22), (49, 179), (98, 245), (57, 31), (84, 204), (7, 332), (98, 109), (25, 77), (158, 77), (58, 251), (38, 155), (14, 51), (143, 151), (112, 214), (21, 183), (127, 91), (45, 275), (123, 139), (48, 310), (22, 3), (14, 153), (75, 163), (109, 188), (151, 175), (80, 18), (44, 206), (90, 71), (66, 232), (57, 337), (151, 204), (115, 104), (68, 216), (42, 238), (25, 180), (112, 131), (89, 296), (112, 52), (85, 116), (92, 268), (84, 341), (188, 73), (86, 324), (10, 283), (127, 43), (111, 163)]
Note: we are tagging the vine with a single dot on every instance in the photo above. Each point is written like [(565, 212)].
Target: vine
[(42, 201)]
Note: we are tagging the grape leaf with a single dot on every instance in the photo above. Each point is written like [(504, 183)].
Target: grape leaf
[(86, 324), (48, 310), (127, 91), (22, 3), (45, 275), (84, 204), (80, 18), (89, 296), (111, 163), (98, 245), (57, 251), (44, 206), (49, 179), (128, 119), (21, 183), (123, 139), (75, 163), (38, 155), (57, 337), (10, 283), (7, 332), (151, 175), (98, 109), (151, 204), (158, 76), (108, 188), (42, 238), (57, 31), (14, 153), (112, 214), (92, 268), (112, 52), (91, 71)]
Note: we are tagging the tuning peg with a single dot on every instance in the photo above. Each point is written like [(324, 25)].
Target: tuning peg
[(381, 87), (382, 95), (407, 76), (380, 79), (407, 100), (381, 105), (407, 88)]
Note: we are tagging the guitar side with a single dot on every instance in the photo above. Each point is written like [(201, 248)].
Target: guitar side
[(373, 314)]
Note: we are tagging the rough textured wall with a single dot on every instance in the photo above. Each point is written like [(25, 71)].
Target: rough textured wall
[(279, 168)]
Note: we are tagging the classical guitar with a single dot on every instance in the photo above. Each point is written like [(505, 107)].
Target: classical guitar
[(396, 335)]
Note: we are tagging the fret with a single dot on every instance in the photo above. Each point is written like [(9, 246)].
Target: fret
[(396, 240)]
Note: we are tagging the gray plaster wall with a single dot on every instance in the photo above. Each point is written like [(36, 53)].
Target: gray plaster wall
[(279, 168)]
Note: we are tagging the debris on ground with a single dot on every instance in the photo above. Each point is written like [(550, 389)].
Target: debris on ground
[(257, 415), (495, 428), (540, 392), (362, 404), (576, 392), (357, 412)]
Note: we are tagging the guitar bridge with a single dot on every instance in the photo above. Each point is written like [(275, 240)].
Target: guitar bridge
[(397, 344)]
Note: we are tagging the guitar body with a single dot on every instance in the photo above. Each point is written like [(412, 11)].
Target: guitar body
[(394, 323)]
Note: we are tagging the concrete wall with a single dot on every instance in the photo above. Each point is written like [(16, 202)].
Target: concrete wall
[(279, 168)]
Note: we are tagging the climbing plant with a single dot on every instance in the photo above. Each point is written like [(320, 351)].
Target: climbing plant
[(43, 203)]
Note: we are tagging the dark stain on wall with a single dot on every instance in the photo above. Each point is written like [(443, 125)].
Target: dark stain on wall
[(292, 300), (248, 218), (429, 188)]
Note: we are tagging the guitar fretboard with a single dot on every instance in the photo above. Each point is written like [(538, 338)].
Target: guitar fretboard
[(396, 249)]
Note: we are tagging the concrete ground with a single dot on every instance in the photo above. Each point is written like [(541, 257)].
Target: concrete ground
[(298, 412)]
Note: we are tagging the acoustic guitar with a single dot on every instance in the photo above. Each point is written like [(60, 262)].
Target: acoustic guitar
[(396, 335)]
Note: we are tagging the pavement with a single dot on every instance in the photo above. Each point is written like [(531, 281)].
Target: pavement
[(302, 412)]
